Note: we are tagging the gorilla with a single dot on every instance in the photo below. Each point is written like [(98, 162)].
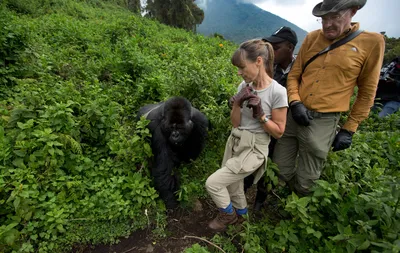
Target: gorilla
[(178, 133)]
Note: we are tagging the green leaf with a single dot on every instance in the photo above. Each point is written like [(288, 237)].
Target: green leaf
[(17, 202), (364, 245), (385, 245), (388, 210), (318, 234), (28, 215), (4, 229), (34, 237), (20, 153), (19, 162), (339, 237), (350, 248), (11, 236), (293, 238), (60, 228), (347, 230), (319, 192), (340, 228), (373, 222), (59, 152)]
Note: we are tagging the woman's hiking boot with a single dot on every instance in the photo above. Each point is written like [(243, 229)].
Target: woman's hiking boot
[(223, 219)]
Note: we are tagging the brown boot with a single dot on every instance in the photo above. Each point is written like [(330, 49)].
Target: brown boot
[(241, 219), (222, 220)]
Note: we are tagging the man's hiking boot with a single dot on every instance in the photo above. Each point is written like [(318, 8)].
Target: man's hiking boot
[(258, 206), (223, 219)]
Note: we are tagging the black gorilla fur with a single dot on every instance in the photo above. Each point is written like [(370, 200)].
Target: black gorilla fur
[(178, 133)]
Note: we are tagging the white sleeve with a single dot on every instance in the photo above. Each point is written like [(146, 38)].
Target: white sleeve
[(280, 98)]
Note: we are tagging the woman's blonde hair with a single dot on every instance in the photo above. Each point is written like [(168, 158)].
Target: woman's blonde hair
[(250, 50)]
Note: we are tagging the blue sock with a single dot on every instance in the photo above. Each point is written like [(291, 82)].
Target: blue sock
[(228, 209), (241, 211)]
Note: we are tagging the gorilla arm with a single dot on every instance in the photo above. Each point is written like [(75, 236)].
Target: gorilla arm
[(165, 183), (197, 138)]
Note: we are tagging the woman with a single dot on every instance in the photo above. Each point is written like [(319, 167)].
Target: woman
[(258, 112)]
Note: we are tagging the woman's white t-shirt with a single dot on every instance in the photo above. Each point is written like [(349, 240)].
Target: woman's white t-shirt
[(272, 97)]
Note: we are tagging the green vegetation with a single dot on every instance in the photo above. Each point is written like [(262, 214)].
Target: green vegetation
[(73, 161), (72, 76), (355, 205), (392, 49)]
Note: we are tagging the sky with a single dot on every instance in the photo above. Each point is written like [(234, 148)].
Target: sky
[(375, 16)]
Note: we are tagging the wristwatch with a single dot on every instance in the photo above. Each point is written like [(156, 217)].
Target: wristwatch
[(265, 120)]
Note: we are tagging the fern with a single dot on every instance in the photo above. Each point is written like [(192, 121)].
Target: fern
[(69, 141)]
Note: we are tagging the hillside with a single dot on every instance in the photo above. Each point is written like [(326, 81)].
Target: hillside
[(238, 21), (74, 161)]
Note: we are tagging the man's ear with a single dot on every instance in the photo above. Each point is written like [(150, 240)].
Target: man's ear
[(353, 11), (290, 46)]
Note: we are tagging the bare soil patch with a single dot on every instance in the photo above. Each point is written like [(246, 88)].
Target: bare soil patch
[(185, 228)]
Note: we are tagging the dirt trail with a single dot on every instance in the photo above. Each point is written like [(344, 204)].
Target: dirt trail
[(184, 228)]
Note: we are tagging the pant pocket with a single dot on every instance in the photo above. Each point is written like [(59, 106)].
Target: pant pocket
[(252, 162)]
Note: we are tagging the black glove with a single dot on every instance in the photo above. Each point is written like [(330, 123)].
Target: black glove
[(255, 104), (342, 140), (300, 114), (244, 94)]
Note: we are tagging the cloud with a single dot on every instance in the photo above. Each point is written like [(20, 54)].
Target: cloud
[(274, 2), (298, 12), (202, 3), (375, 16)]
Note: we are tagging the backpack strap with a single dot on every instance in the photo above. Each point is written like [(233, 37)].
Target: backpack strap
[(333, 46)]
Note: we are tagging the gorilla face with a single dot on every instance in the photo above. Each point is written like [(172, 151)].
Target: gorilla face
[(179, 133), (177, 128), (176, 124)]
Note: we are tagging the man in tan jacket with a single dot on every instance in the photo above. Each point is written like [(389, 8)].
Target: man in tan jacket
[(320, 92)]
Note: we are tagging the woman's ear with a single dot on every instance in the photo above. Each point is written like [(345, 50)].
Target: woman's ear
[(259, 60)]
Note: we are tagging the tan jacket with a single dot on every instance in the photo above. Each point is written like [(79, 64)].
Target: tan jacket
[(328, 82), (246, 152)]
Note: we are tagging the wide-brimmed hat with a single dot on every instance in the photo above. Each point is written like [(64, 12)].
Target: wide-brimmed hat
[(328, 6), (282, 34)]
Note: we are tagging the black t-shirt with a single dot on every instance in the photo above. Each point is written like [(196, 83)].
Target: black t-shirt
[(280, 76)]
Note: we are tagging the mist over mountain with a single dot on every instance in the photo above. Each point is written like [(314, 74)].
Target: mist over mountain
[(238, 21)]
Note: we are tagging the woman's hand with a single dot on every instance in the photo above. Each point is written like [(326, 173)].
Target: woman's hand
[(255, 104), (243, 95)]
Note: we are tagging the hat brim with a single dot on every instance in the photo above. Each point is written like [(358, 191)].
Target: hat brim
[(274, 39), (319, 13)]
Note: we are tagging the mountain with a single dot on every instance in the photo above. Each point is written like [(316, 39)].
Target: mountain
[(238, 21)]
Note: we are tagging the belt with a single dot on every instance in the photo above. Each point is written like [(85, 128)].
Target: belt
[(315, 114)]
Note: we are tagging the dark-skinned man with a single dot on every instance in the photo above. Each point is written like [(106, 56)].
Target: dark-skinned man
[(283, 41)]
